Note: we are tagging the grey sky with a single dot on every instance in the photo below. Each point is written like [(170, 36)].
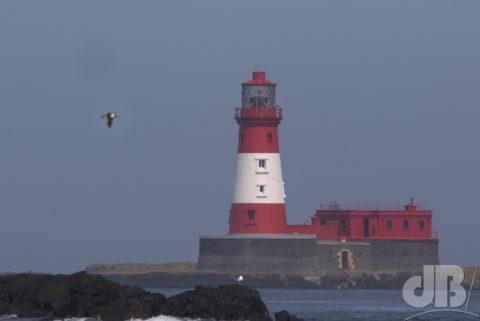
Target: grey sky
[(381, 103)]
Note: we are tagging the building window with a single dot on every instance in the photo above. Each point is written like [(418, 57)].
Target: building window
[(389, 225), (422, 225), (269, 138), (262, 163), (251, 215), (322, 221), (261, 188), (405, 225)]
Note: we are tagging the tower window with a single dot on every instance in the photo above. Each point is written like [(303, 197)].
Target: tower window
[(270, 138), (261, 191), (405, 225), (389, 225), (422, 225), (251, 214), (262, 163)]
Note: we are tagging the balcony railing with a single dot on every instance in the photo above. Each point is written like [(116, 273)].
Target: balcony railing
[(274, 113), (338, 207)]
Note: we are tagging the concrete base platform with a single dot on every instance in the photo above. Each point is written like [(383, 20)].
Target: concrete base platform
[(307, 256)]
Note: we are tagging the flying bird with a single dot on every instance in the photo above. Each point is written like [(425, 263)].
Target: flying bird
[(110, 117)]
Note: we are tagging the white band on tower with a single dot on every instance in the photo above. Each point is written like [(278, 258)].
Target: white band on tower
[(259, 179)]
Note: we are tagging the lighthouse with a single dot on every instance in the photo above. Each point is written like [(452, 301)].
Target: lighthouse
[(258, 205), (339, 238)]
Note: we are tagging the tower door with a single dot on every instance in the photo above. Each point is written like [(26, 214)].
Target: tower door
[(344, 260), (366, 227)]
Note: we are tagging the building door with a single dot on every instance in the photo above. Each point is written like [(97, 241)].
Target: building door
[(344, 260), (366, 228)]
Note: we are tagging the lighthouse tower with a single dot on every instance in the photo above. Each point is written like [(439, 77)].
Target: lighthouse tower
[(258, 199)]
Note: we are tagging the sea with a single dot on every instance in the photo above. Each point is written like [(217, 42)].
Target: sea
[(335, 305)]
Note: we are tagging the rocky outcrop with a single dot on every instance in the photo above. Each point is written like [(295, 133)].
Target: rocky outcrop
[(470, 273), (285, 316), (383, 281), (79, 294), (183, 275), (229, 302), (141, 268), (345, 280), (332, 280), (190, 280), (83, 295), (5, 273)]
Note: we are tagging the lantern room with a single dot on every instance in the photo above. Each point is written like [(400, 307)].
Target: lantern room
[(258, 92)]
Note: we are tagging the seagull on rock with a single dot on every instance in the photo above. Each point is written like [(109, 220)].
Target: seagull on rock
[(110, 117), (239, 279)]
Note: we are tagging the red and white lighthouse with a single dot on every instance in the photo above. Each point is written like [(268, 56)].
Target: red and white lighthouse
[(259, 239), (258, 199)]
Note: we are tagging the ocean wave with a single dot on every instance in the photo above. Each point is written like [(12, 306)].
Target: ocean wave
[(165, 318), (75, 319)]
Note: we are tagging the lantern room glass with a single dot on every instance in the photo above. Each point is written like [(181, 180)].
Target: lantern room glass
[(258, 96)]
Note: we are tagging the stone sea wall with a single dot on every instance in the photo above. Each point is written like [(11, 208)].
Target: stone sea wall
[(312, 257)]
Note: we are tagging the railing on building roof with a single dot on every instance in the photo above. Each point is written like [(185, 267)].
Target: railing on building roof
[(339, 207), (274, 113)]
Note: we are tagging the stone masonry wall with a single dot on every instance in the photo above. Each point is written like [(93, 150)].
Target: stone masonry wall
[(309, 256)]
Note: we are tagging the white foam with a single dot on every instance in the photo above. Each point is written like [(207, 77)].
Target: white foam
[(165, 318)]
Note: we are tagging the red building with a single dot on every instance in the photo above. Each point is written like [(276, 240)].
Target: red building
[(335, 221)]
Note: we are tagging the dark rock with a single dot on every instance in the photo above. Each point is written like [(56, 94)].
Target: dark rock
[(285, 316), (190, 280), (348, 280), (79, 294), (83, 295), (334, 280), (228, 302), (392, 281)]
